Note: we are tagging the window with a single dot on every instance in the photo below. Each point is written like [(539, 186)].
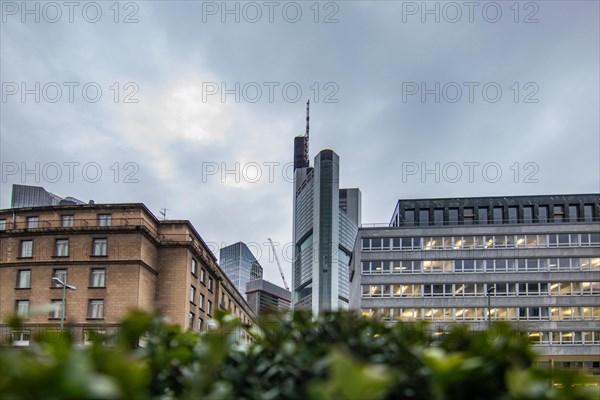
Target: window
[(497, 215), (66, 221), (22, 308), (528, 214), (453, 216), (96, 309), (423, 217), (513, 215), (573, 213), (588, 213), (56, 312), (468, 216), (543, 214), (60, 274), (99, 247), (210, 283), (438, 216), (482, 215), (2, 224), (26, 248), (62, 248), (409, 217), (191, 323), (104, 219), (192, 294), (24, 279), (200, 324), (98, 277), (559, 213), (201, 301), (20, 338), (209, 308), (202, 275), (194, 266), (32, 222)]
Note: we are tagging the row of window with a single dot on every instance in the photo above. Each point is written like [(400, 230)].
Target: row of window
[(95, 309), (97, 278), (469, 266), (66, 221), (568, 337), (203, 274), (496, 215), (481, 289), (481, 242), (481, 313), (201, 299), (61, 249)]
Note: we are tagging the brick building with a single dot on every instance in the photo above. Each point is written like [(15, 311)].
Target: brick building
[(119, 257)]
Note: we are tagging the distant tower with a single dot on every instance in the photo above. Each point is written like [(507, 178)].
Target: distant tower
[(323, 233)]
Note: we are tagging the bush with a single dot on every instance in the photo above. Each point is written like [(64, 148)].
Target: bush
[(338, 355)]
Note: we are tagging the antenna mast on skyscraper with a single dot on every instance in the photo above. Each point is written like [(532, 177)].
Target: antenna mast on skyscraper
[(307, 131)]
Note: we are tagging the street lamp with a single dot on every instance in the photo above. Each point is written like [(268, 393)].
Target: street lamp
[(65, 286), (490, 290)]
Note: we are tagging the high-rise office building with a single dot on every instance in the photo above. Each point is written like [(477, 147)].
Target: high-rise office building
[(326, 219), (264, 296), (530, 260), (37, 196), (240, 265)]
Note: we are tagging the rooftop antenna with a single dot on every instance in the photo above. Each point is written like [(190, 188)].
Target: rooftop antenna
[(307, 131), (163, 212)]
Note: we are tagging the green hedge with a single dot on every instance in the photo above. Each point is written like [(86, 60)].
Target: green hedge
[(337, 356)]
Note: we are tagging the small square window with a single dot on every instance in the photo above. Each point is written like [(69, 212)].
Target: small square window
[(66, 221), (99, 247), (62, 248), (22, 308), (24, 279), (32, 222), (20, 338), (192, 294), (104, 219), (56, 312), (96, 309), (98, 277), (27, 248)]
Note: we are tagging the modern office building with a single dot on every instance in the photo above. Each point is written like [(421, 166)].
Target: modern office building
[(530, 260), (240, 265), (326, 220), (264, 297), (118, 257), (37, 196)]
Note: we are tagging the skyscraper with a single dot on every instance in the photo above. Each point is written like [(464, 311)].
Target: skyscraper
[(240, 265), (37, 196), (323, 231)]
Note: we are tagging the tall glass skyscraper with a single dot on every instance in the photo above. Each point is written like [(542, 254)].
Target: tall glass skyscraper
[(240, 265), (324, 230)]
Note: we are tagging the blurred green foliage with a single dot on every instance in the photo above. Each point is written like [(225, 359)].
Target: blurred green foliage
[(337, 356)]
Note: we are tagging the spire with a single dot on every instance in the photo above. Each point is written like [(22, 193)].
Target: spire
[(307, 131)]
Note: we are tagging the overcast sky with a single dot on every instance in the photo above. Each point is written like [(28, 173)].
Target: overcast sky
[(489, 97)]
